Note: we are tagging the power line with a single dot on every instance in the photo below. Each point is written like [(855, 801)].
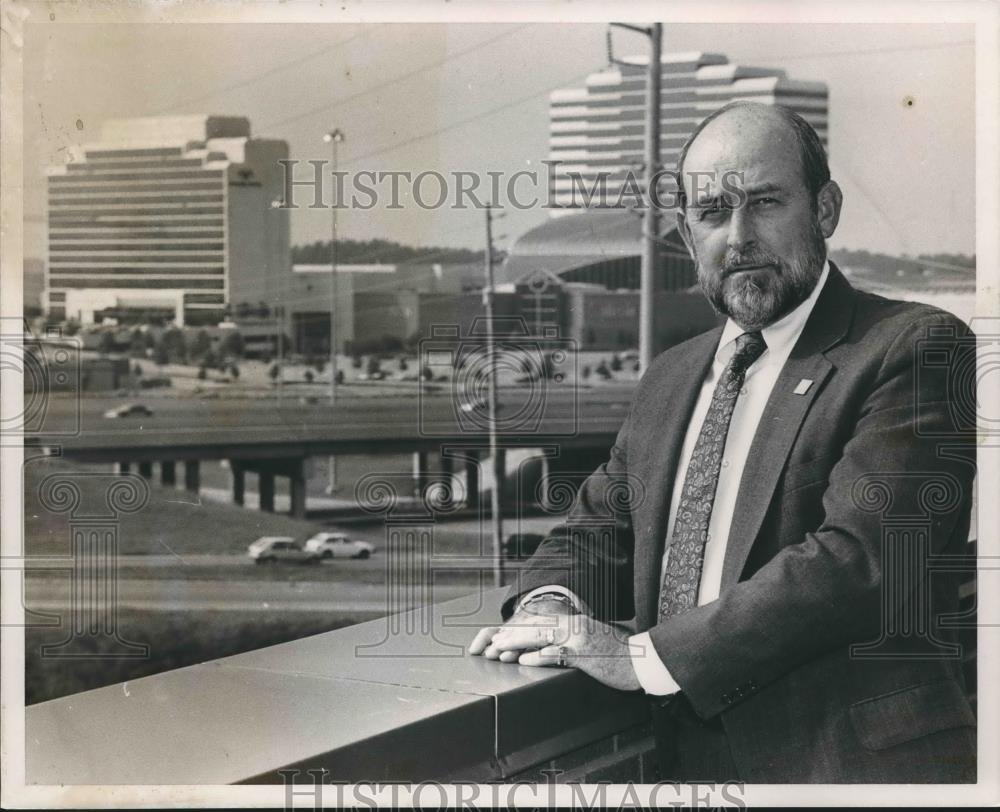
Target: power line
[(264, 74), (468, 120), (522, 99), (863, 51), (395, 80)]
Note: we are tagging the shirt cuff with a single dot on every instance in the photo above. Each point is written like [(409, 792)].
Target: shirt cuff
[(578, 604), (652, 674)]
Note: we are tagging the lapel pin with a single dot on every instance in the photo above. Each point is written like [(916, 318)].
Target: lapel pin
[(803, 386)]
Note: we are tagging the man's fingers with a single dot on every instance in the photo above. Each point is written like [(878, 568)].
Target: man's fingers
[(509, 656), (514, 638), (482, 639)]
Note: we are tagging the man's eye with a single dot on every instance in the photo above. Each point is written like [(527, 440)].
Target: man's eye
[(765, 201), (711, 212)]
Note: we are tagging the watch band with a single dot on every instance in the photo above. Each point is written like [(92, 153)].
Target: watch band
[(553, 596)]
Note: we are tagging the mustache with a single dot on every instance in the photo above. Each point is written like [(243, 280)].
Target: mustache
[(732, 262)]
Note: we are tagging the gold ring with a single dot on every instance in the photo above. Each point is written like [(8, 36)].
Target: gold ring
[(561, 657)]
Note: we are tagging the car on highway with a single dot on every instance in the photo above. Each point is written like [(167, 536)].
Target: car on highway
[(129, 410), (521, 546), (328, 545), (272, 549)]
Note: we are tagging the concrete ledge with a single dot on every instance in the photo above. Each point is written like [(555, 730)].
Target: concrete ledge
[(395, 699)]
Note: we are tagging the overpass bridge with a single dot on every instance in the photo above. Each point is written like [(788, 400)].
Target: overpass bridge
[(271, 439)]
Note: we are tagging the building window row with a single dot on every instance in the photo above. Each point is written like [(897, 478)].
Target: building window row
[(96, 173), (151, 284), (92, 221), (127, 187)]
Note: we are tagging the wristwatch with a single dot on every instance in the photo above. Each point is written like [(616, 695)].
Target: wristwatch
[(549, 596)]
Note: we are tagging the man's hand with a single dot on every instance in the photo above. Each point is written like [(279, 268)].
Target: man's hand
[(596, 648), (538, 621)]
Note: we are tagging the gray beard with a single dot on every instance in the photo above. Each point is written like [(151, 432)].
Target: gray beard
[(754, 301)]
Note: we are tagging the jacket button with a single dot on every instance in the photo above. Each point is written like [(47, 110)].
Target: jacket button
[(727, 699)]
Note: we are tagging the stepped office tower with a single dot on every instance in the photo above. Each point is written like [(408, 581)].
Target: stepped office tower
[(601, 127), (169, 216)]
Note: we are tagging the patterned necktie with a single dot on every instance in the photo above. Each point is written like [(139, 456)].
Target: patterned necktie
[(679, 591)]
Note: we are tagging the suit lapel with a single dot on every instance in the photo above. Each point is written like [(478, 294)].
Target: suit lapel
[(665, 431), (783, 416)]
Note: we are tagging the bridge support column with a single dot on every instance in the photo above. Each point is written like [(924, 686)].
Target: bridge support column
[(168, 473), (500, 472), (192, 475), (447, 478), (266, 488), (419, 472), (543, 489), (297, 488), (472, 481), (239, 483), (146, 470)]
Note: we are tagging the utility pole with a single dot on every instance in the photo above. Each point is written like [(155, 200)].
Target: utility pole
[(333, 138), (496, 519), (651, 224), (651, 216), (279, 323)]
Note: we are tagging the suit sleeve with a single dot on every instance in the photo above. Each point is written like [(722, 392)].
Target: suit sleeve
[(825, 592), (590, 554)]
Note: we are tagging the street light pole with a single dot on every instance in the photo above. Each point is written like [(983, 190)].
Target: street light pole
[(496, 517), (651, 217), (333, 138), (651, 224)]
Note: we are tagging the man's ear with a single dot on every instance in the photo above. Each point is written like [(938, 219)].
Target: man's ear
[(828, 203)]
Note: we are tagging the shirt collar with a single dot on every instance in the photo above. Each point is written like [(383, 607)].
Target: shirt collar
[(781, 336)]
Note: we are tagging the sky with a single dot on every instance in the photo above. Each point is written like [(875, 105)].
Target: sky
[(474, 97)]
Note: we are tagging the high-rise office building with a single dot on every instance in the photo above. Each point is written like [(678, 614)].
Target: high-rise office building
[(169, 217), (600, 127)]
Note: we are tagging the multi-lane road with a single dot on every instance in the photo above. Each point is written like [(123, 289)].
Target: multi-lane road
[(220, 427)]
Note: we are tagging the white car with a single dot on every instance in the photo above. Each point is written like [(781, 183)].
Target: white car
[(271, 549), (338, 545)]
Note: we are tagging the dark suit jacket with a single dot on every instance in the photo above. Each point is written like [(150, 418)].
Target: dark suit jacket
[(849, 491)]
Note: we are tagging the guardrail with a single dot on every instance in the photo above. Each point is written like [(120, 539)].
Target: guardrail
[(396, 699)]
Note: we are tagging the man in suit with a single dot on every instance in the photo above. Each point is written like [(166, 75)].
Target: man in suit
[(789, 476)]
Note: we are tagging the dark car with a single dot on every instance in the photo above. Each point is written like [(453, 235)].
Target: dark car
[(129, 410), (520, 546)]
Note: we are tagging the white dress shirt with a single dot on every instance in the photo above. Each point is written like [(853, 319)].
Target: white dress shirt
[(761, 376)]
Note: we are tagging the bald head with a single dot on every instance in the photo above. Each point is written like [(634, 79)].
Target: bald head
[(741, 130)]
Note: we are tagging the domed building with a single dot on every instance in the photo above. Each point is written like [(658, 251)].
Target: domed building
[(579, 274)]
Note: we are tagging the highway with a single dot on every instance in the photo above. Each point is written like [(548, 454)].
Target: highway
[(53, 594), (206, 428)]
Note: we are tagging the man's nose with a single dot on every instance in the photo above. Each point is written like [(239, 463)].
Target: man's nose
[(741, 232)]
